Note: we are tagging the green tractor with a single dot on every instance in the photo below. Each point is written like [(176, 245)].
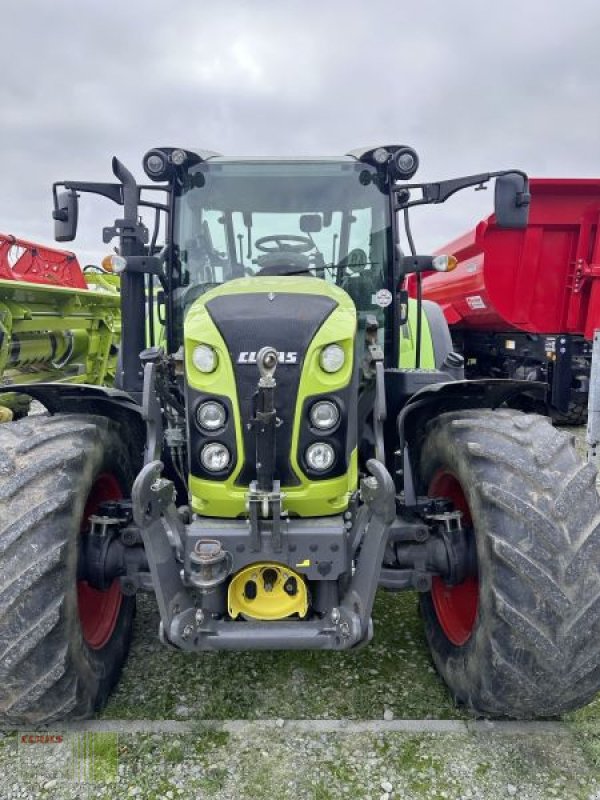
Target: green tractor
[(288, 432)]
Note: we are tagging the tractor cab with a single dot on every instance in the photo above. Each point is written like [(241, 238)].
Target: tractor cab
[(314, 218)]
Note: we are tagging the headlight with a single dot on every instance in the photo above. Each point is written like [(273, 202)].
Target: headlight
[(381, 155), (204, 358), (332, 358), (324, 415), (178, 157), (320, 456), (156, 165), (211, 415), (215, 457)]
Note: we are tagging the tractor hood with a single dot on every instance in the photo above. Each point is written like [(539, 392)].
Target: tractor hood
[(298, 316)]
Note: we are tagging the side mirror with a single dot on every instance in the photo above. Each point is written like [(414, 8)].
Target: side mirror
[(65, 215), (511, 201)]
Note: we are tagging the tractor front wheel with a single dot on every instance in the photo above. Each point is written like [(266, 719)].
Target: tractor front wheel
[(521, 638), (62, 642)]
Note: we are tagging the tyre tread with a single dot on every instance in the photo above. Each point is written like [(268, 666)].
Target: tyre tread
[(541, 652)]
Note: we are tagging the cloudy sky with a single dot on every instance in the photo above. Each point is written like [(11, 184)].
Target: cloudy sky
[(473, 86)]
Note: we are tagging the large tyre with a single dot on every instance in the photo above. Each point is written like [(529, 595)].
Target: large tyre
[(522, 639), (576, 415), (62, 643)]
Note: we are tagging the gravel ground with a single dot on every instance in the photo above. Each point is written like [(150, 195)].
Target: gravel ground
[(393, 678), (327, 767)]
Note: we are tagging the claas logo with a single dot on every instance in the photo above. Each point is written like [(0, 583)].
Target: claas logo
[(249, 357), (41, 738)]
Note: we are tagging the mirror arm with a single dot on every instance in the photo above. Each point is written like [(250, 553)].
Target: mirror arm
[(439, 192), (434, 193), (110, 190)]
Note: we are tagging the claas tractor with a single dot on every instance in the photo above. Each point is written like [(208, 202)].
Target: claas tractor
[(288, 433)]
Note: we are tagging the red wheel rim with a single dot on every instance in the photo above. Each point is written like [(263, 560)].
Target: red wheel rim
[(455, 606), (99, 611)]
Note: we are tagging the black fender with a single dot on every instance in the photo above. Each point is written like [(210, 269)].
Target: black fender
[(438, 398), (59, 397), (82, 398)]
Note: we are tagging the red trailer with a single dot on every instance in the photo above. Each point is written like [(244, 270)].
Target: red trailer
[(524, 303)]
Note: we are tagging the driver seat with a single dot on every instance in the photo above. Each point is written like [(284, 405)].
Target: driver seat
[(283, 264)]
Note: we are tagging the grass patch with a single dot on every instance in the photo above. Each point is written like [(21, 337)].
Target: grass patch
[(214, 780), (104, 748)]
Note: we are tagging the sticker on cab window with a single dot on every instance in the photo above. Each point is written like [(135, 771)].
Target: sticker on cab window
[(382, 298)]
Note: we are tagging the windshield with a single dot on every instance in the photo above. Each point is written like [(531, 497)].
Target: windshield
[(325, 218)]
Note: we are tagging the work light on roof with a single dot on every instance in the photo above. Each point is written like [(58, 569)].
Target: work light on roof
[(156, 165), (405, 163), (381, 155), (178, 157)]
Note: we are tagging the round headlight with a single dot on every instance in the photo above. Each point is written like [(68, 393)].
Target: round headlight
[(381, 155), (324, 415), (332, 358), (155, 164), (204, 358), (211, 415), (215, 457), (178, 157), (320, 456), (406, 163)]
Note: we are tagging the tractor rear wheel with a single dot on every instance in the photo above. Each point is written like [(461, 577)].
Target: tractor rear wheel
[(62, 642), (522, 637)]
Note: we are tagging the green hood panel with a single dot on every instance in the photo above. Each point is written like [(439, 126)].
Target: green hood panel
[(294, 284), (226, 498)]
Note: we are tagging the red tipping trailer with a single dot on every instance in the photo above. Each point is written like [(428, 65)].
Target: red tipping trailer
[(524, 303)]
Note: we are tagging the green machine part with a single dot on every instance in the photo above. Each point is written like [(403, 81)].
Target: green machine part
[(54, 333), (408, 340)]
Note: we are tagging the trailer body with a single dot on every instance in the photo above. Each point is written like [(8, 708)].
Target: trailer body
[(524, 303)]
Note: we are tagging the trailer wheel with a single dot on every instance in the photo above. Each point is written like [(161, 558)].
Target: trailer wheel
[(522, 637), (62, 643)]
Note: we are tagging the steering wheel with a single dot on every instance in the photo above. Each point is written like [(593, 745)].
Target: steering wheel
[(285, 243)]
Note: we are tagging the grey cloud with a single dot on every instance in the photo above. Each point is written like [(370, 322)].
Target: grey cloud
[(473, 86)]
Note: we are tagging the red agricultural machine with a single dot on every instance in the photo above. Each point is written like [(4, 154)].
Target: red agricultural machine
[(524, 303), (22, 260)]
